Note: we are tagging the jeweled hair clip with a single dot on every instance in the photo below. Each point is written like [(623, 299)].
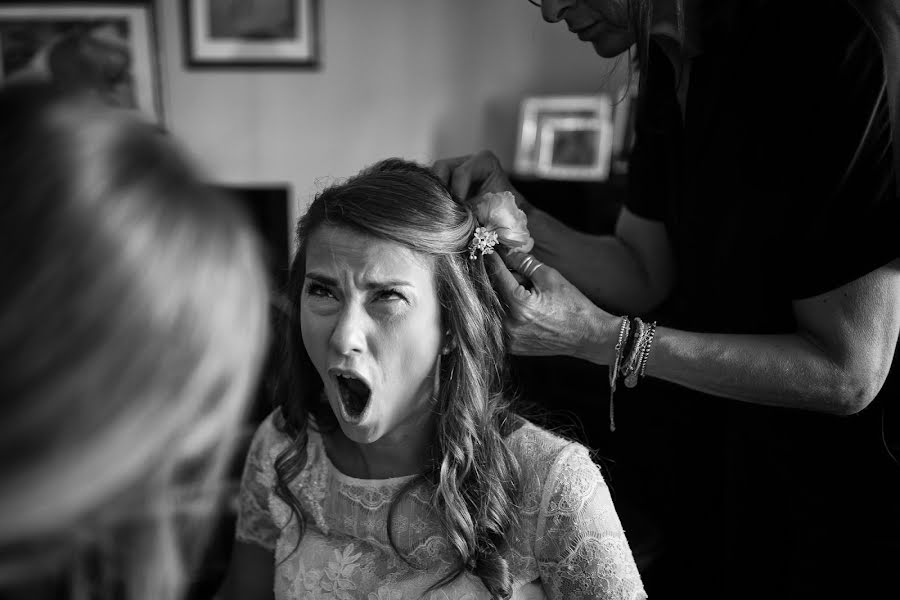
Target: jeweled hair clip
[(483, 241)]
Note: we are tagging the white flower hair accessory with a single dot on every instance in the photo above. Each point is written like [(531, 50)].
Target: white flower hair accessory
[(501, 221), (483, 240)]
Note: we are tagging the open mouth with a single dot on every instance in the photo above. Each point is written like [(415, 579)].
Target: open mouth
[(355, 394)]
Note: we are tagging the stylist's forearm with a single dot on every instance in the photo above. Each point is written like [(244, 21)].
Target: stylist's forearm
[(775, 370), (595, 337), (603, 268)]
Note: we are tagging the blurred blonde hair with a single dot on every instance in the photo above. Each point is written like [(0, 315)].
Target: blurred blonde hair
[(133, 321)]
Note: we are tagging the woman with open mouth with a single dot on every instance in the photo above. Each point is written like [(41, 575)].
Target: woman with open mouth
[(395, 466)]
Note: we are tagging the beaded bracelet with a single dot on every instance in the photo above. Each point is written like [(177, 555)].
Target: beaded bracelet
[(624, 329), (647, 348), (641, 354), (635, 348)]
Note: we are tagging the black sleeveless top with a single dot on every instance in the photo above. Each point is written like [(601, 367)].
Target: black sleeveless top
[(777, 185)]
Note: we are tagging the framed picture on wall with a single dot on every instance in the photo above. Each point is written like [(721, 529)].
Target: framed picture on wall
[(251, 33), (102, 48), (574, 148), (571, 121)]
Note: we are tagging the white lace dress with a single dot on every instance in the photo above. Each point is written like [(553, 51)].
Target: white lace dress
[(569, 536)]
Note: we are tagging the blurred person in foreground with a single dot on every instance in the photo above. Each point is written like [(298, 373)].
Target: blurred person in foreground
[(133, 320)]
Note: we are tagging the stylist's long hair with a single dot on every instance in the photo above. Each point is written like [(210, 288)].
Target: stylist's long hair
[(133, 318), (473, 475)]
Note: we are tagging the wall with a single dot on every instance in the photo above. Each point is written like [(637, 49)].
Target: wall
[(420, 79)]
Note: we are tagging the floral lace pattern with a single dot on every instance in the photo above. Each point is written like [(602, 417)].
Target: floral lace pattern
[(581, 547), (569, 536)]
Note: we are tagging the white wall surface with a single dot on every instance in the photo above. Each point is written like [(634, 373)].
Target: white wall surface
[(419, 79)]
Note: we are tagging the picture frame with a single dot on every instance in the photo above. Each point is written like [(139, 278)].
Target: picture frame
[(556, 116), (251, 33), (574, 148), (105, 48), (268, 206)]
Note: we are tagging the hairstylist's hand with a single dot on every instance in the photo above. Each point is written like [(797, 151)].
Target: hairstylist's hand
[(476, 174), (549, 316)]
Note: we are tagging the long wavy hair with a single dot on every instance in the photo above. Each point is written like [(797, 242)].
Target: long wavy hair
[(473, 474), (133, 320)]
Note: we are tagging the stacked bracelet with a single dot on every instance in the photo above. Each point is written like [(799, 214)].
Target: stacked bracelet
[(635, 348), (640, 351), (624, 329), (632, 353), (646, 353)]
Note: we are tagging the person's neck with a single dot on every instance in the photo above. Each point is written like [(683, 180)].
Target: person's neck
[(406, 450)]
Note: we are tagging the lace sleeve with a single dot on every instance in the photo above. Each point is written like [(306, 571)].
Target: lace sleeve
[(580, 546), (254, 521)]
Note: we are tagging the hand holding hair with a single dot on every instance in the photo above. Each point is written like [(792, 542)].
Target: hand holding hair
[(546, 315), (476, 174)]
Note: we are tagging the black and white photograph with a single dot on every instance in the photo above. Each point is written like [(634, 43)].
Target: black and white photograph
[(229, 33), (449, 300)]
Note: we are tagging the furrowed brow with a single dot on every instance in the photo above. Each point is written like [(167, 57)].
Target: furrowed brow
[(387, 283), (323, 279)]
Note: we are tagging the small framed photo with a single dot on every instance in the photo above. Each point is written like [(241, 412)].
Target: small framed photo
[(574, 148), (566, 137), (251, 33), (103, 48)]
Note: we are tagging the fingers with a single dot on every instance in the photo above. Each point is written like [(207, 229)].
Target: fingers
[(504, 280), (456, 173), (444, 168), (530, 267), (463, 172)]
